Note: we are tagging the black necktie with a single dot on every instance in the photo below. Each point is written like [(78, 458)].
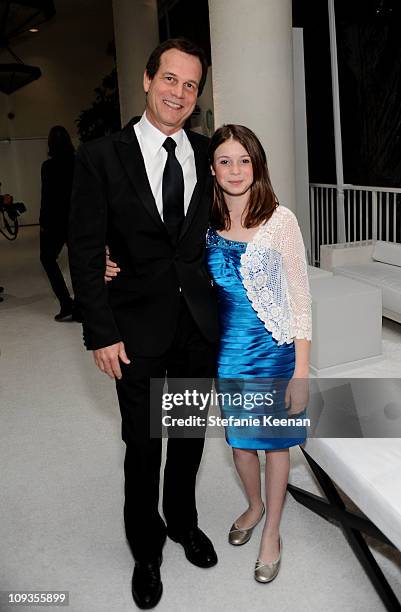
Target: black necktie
[(172, 191)]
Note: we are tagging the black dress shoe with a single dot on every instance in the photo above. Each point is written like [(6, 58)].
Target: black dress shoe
[(198, 548), (65, 314), (147, 587)]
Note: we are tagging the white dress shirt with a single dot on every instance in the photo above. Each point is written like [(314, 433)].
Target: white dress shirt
[(150, 141)]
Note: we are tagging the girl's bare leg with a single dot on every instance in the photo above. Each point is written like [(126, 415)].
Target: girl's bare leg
[(248, 468), (276, 479)]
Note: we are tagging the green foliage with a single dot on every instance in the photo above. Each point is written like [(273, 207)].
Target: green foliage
[(103, 117)]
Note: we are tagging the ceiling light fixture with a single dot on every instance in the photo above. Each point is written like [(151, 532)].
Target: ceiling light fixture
[(15, 75), (18, 17)]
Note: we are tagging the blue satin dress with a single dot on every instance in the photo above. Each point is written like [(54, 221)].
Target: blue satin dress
[(250, 361)]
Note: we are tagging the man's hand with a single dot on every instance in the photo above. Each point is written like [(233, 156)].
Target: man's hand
[(111, 268), (107, 359), (297, 395)]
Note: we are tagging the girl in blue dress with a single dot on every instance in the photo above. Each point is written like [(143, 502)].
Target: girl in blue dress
[(256, 258)]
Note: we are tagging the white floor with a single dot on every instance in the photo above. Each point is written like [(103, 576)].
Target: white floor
[(61, 485)]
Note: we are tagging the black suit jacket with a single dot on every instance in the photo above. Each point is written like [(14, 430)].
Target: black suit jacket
[(112, 203)]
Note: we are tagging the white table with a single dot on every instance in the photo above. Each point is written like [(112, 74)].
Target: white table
[(346, 324), (314, 272)]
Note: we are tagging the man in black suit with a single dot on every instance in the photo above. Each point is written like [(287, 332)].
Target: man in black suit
[(146, 192)]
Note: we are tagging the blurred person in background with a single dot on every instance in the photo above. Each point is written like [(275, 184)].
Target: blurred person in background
[(57, 175)]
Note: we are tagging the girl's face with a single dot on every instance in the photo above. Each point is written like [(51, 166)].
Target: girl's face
[(232, 167)]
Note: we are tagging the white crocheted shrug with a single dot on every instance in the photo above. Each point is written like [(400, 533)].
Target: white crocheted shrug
[(275, 277)]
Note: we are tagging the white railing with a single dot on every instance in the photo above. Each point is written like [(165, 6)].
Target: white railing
[(371, 213)]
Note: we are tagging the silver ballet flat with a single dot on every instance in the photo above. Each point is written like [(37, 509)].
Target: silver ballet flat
[(238, 536), (266, 572)]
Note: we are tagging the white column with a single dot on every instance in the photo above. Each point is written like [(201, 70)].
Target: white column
[(253, 79), (301, 141), (337, 124), (136, 31)]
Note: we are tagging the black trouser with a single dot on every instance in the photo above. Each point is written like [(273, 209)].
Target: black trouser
[(189, 356), (51, 243)]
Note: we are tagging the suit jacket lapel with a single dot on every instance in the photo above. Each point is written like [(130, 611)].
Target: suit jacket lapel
[(202, 168), (130, 155)]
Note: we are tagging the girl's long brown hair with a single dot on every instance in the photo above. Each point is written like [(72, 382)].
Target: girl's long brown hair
[(262, 199)]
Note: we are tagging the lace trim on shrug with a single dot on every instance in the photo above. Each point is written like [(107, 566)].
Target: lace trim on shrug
[(274, 272)]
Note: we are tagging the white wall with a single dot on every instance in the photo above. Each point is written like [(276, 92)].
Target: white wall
[(20, 162)]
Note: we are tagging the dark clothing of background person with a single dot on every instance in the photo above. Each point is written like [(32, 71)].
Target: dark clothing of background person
[(57, 176)]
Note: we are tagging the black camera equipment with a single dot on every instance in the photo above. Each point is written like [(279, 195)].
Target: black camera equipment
[(10, 211)]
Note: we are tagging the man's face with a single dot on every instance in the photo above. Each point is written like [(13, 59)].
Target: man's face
[(172, 93)]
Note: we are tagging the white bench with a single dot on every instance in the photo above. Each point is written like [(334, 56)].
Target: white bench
[(376, 263), (368, 472)]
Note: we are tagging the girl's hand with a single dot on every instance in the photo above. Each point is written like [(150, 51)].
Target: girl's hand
[(297, 395), (111, 270)]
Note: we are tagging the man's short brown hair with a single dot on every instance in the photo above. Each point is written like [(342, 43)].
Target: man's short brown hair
[(181, 44)]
